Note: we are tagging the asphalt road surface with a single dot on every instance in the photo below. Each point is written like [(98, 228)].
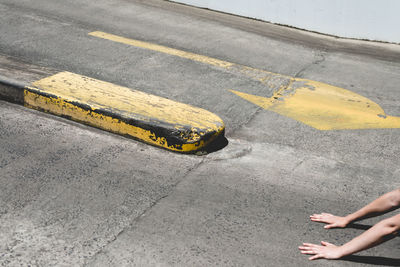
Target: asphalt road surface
[(72, 195)]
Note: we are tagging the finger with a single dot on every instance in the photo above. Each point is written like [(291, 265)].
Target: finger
[(318, 256), (320, 221), (329, 226), (321, 218), (306, 248), (327, 214), (324, 243), (309, 244), (316, 215), (316, 219), (308, 252)]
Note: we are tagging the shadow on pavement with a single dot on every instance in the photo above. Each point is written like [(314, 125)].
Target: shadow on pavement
[(215, 145), (359, 226), (383, 261), (366, 227)]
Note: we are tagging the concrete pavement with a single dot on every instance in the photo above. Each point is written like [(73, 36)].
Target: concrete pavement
[(74, 195)]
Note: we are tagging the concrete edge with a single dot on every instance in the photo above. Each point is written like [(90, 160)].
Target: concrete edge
[(341, 18), (165, 123), (284, 33)]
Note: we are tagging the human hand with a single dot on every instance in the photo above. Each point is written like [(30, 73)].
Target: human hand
[(326, 251), (332, 221)]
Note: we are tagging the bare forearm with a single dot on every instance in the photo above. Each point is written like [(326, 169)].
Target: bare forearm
[(383, 204), (374, 236), (366, 240)]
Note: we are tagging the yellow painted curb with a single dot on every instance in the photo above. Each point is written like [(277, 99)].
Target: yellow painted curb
[(155, 120)]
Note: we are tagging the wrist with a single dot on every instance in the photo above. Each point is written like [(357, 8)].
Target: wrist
[(348, 219), (341, 252)]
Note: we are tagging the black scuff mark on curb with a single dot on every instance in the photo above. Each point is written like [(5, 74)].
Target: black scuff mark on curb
[(158, 130), (11, 90)]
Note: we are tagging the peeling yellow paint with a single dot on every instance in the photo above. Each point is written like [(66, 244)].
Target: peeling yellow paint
[(324, 107), (66, 94)]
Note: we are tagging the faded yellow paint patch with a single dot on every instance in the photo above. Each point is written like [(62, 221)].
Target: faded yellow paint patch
[(319, 105), (101, 104), (324, 107), (257, 74), (162, 49)]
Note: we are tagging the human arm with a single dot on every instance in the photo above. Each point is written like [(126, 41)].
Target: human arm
[(385, 203), (370, 238)]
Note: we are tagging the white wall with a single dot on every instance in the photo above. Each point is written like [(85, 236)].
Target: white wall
[(362, 19)]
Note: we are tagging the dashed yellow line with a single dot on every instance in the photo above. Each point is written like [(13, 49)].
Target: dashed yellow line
[(319, 105)]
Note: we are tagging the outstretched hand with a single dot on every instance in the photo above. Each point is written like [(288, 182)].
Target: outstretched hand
[(332, 221), (326, 251)]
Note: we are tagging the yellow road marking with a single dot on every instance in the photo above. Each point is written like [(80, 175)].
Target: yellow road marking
[(112, 107), (320, 105), (325, 107), (162, 49)]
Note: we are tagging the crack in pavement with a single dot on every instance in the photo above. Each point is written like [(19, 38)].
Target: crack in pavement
[(137, 219), (300, 73)]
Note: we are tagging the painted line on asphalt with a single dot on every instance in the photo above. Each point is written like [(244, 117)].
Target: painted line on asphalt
[(319, 105), (149, 118), (162, 49), (325, 107)]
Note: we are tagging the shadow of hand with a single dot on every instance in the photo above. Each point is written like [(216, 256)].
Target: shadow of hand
[(359, 226)]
